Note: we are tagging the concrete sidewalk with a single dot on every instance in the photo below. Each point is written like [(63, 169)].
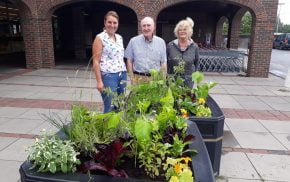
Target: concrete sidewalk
[(256, 143)]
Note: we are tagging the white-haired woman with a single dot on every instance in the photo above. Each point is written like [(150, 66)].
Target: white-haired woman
[(183, 49)]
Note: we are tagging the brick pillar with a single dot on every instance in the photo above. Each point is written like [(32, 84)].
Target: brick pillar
[(38, 42), (261, 40), (79, 34), (260, 51)]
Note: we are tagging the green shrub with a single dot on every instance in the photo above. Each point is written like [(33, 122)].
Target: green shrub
[(51, 154)]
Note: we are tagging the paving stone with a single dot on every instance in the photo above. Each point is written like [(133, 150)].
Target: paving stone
[(236, 89), (256, 106), (16, 151), (20, 126), (229, 140), (4, 120), (281, 107), (251, 125), (258, 90), (258, 140), (37, 113), (9, 171), (271, 167), (218, 90), (47, 126), (11, 112), (224, 80), (6, 141), (251, 102), (226, 128), (272, 99), (20, 94), (276, 126), (237, 165), (226, 101), (283, 138)]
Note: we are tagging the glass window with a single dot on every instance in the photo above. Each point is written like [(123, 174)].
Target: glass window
[(14, 29)]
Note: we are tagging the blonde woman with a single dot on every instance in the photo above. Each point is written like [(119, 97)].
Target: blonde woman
[(183, 49)]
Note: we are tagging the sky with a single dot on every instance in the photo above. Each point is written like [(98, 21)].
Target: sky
[(284, 11)]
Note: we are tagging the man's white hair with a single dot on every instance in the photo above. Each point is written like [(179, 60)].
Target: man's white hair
[(147, 18)]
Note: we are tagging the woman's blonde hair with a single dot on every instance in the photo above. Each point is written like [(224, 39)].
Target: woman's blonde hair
[(187, 24)]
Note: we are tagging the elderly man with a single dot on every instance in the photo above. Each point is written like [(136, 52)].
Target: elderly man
[(145, 52)]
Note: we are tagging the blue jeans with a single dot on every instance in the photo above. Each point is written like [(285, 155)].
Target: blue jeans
[(117, 83)]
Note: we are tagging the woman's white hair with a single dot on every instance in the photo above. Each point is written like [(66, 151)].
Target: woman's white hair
[(187, 24)]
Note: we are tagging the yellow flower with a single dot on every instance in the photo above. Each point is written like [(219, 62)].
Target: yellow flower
[(183, 111), (201, 101), (174, 179), (177, 168), (186, 159)]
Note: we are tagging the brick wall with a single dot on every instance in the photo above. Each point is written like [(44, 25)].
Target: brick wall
[(38, 38)]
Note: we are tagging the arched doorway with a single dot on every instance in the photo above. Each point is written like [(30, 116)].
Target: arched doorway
[(245, 30), (222, 32), (12, 52), (205, 15), (76, 25)]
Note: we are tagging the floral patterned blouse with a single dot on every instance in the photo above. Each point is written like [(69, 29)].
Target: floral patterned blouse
[(112, 59)]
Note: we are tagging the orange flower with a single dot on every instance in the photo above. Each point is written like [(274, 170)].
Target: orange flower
[(184, 113), (177, 168)]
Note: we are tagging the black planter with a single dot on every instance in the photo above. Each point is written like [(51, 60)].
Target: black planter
[(201, 167), (212, 130)]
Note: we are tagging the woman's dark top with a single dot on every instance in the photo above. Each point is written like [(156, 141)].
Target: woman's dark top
[(190, 56)]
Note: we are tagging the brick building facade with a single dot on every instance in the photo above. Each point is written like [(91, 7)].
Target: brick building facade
[(40, 35)]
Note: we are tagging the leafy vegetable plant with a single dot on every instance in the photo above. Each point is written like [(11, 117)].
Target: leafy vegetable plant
[(50, 154)]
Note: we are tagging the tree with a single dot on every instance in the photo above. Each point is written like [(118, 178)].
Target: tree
[(246, 24), (225, 28), (283, 28)]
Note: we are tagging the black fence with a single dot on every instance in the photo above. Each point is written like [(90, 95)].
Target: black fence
[(222, 60)]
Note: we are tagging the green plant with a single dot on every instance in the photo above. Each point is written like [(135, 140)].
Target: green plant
[(201, 90), (179, 69), (52, 154), (152, 156), (88, 128), (178, 146)]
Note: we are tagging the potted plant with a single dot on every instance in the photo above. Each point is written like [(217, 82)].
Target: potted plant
[(196, 105), (145, 139)]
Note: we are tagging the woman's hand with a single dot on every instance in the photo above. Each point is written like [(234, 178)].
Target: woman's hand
[(100, 86), (133, 80)]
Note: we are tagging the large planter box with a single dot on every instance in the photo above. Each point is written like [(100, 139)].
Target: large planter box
[(200, 163), (212, 130)]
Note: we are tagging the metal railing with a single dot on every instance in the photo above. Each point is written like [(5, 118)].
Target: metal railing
[(222, 60)]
